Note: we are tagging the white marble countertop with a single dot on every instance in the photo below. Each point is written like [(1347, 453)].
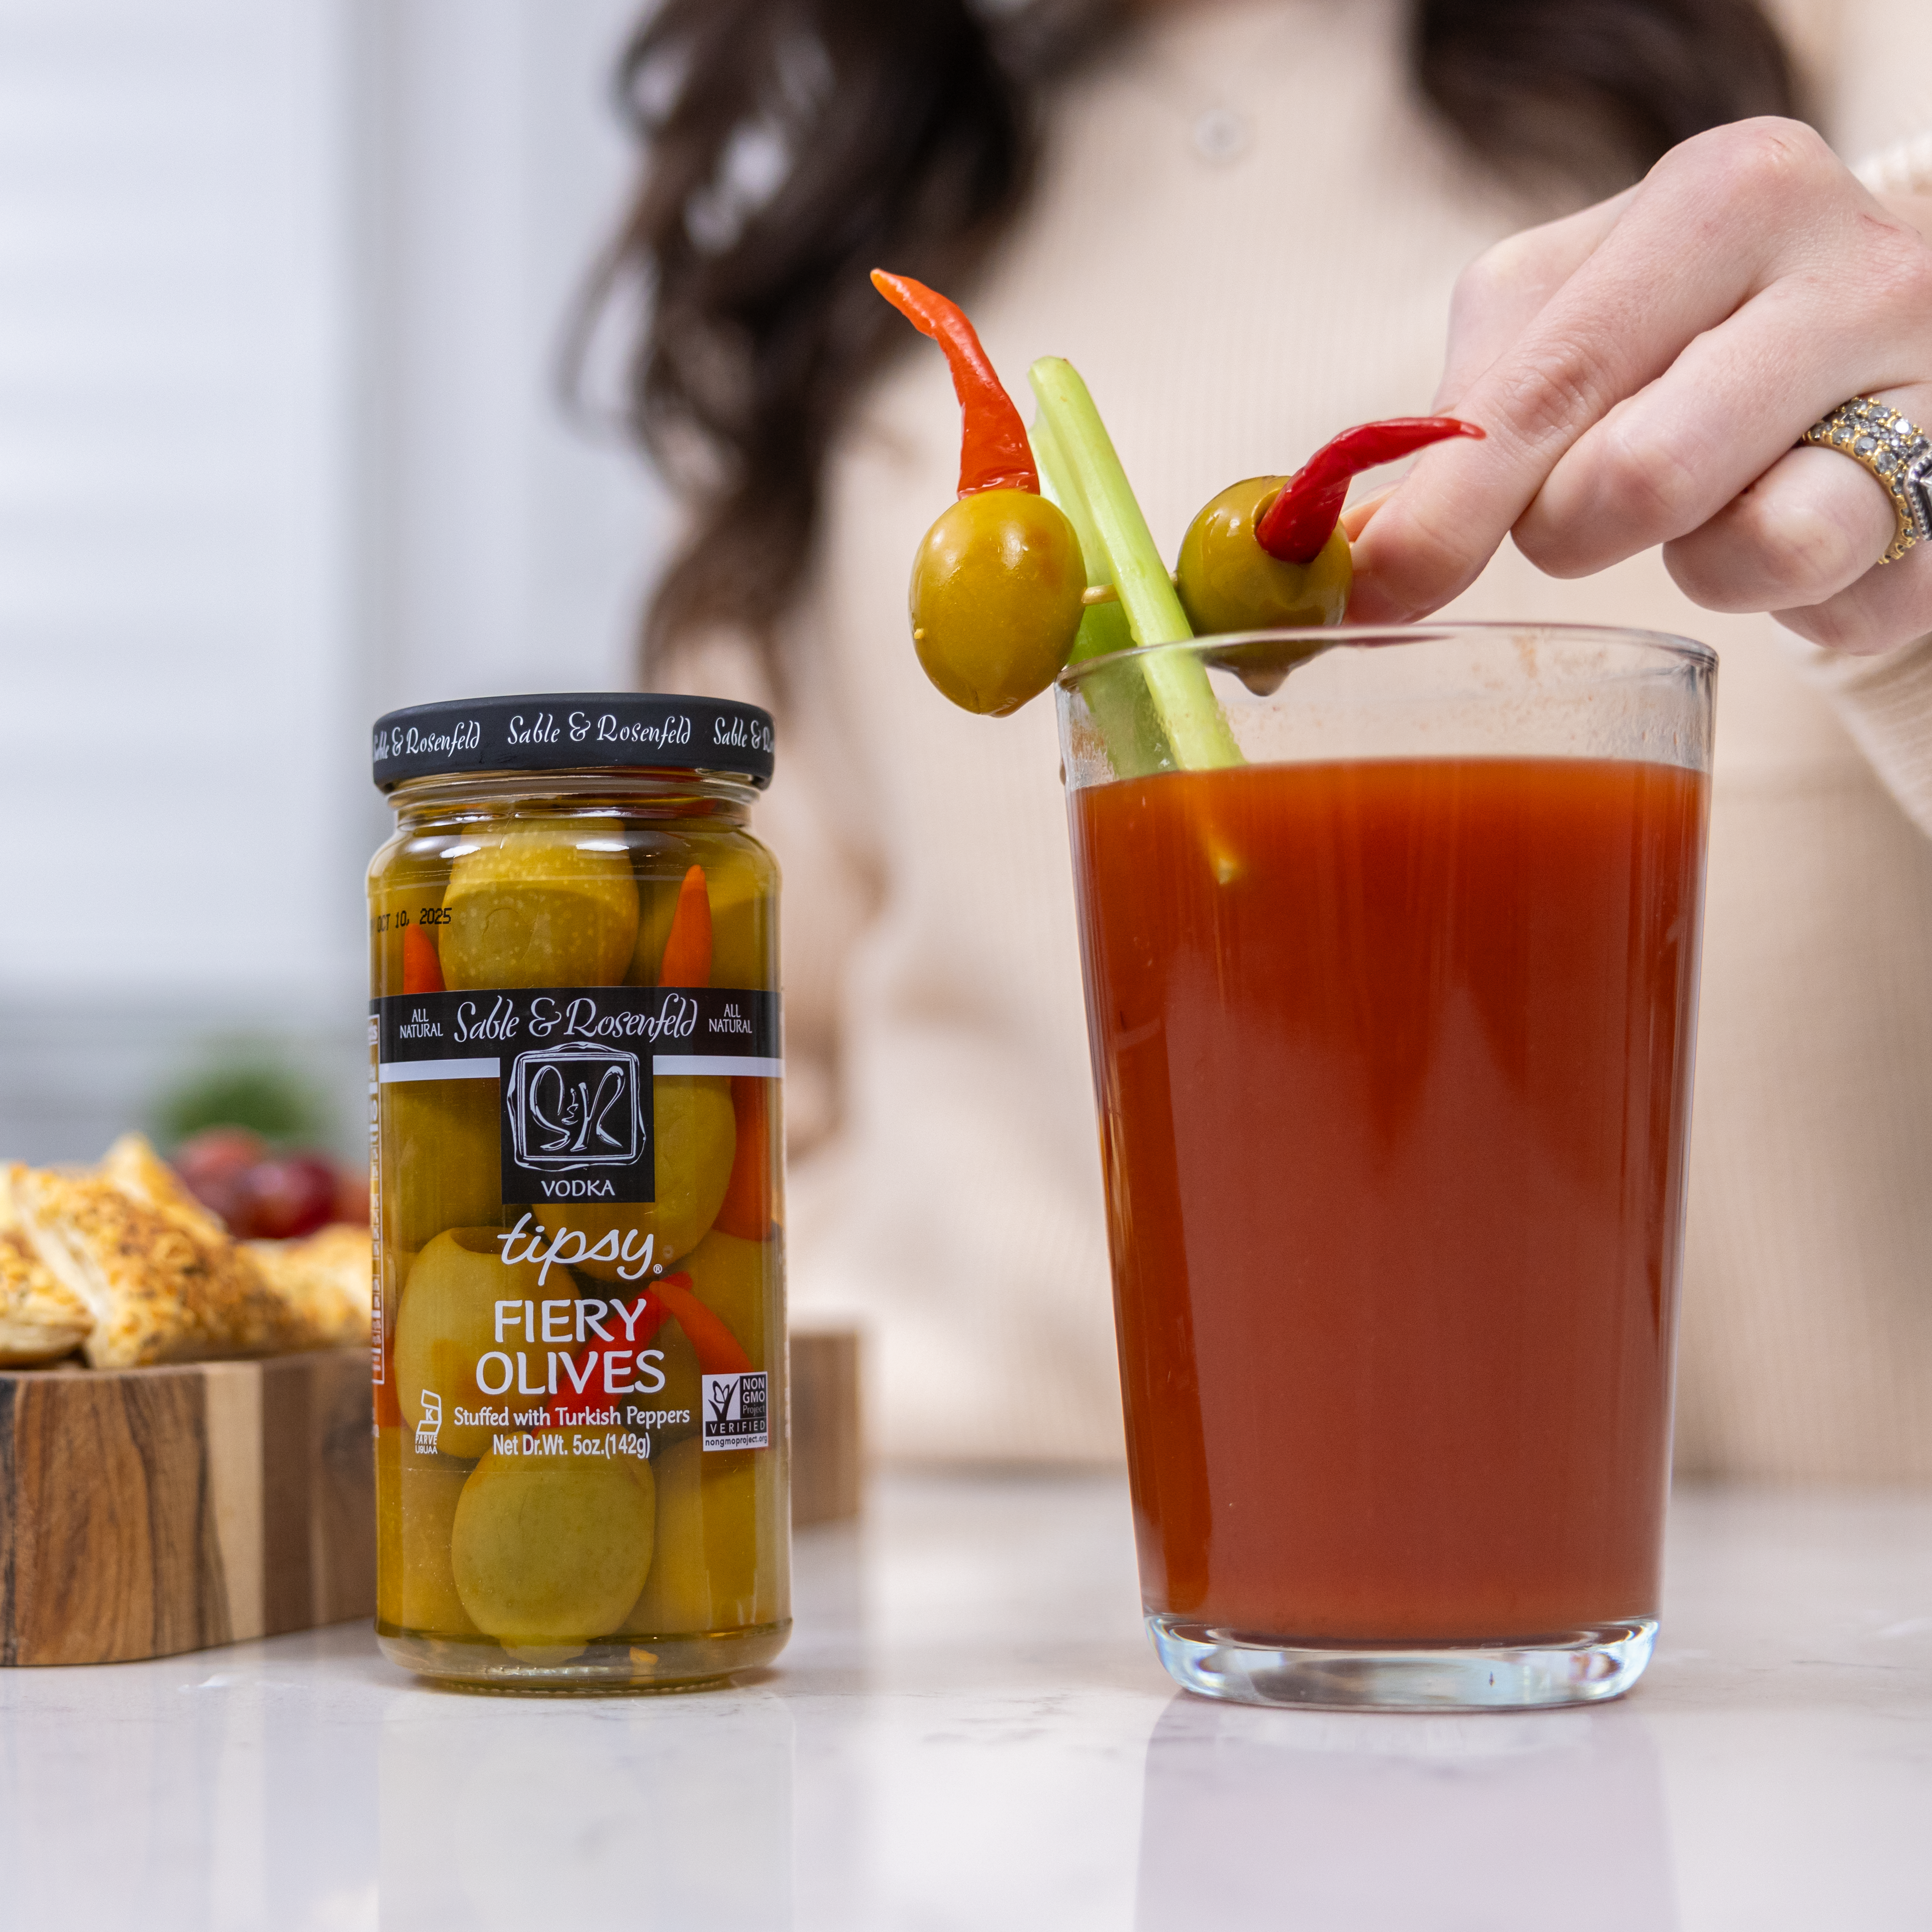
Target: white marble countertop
[(969, 1730)]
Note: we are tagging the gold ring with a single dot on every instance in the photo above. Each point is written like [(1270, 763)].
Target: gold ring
[(1896, 451)]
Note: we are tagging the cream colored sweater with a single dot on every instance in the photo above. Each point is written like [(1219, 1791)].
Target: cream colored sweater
[(1229, 318)]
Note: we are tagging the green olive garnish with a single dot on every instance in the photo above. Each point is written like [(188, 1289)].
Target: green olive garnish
[(1228, 582), (996, 592)]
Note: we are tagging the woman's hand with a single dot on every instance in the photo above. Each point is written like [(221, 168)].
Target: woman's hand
[(1643, 369)]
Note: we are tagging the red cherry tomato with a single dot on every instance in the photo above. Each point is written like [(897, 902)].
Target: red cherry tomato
[(292, 1194), (215, 1165)]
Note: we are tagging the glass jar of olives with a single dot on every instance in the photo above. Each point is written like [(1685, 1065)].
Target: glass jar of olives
[(580, 1340)]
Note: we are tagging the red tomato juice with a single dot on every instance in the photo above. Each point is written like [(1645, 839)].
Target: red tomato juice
[(1394, 1067)]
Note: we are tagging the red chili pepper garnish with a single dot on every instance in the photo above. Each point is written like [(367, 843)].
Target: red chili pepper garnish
[(585, 1385), (718, 1350), (994, 452), (1295, 526), (687, 953), (746, 1212), (583, 1380), (422, 964)]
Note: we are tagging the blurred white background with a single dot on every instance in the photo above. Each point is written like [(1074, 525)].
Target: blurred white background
[(282, 286)]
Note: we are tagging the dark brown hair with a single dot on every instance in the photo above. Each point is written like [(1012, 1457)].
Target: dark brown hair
[(792, 144)]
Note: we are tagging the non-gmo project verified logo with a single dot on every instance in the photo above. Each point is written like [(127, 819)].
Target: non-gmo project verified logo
[(734, 1411)]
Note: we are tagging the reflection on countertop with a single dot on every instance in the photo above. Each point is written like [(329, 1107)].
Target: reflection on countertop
[(969, 1730), (1552, 1820)]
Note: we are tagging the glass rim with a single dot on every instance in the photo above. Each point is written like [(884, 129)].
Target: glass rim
[(1668, 646)]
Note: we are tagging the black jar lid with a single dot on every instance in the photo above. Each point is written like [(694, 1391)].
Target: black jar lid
[(573, 730)]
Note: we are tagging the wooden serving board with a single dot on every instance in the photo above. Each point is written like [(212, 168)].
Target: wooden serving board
[(826, 1465), (147, 1511)]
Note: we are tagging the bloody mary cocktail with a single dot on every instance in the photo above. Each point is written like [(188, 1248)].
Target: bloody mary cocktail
[(1392, 1055)]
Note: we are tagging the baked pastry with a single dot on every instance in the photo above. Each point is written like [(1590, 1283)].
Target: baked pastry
[(40, 1318), (132, 1165), (159, 1289), (127, 1262), (324, 1277)]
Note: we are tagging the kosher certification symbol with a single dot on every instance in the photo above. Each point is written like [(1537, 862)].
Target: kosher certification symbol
[(735, 1411)]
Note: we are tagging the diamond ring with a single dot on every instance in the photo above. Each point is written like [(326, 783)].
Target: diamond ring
[(1896, 451)]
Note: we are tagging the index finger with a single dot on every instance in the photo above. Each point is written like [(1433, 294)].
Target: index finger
[(1615, 325), (1500, 292)]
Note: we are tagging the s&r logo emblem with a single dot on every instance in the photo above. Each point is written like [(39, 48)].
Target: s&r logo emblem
[(575, 1107)]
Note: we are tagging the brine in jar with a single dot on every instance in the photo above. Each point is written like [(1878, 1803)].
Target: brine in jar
[(576, 1123)]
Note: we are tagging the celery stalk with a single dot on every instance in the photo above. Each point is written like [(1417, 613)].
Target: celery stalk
[(1103, 627), (1117, 699), (1184, 704)]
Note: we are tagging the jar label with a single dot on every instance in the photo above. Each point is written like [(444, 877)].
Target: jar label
[(575, 1065)]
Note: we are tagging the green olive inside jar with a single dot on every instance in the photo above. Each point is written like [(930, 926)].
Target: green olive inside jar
[(576, 1127)]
